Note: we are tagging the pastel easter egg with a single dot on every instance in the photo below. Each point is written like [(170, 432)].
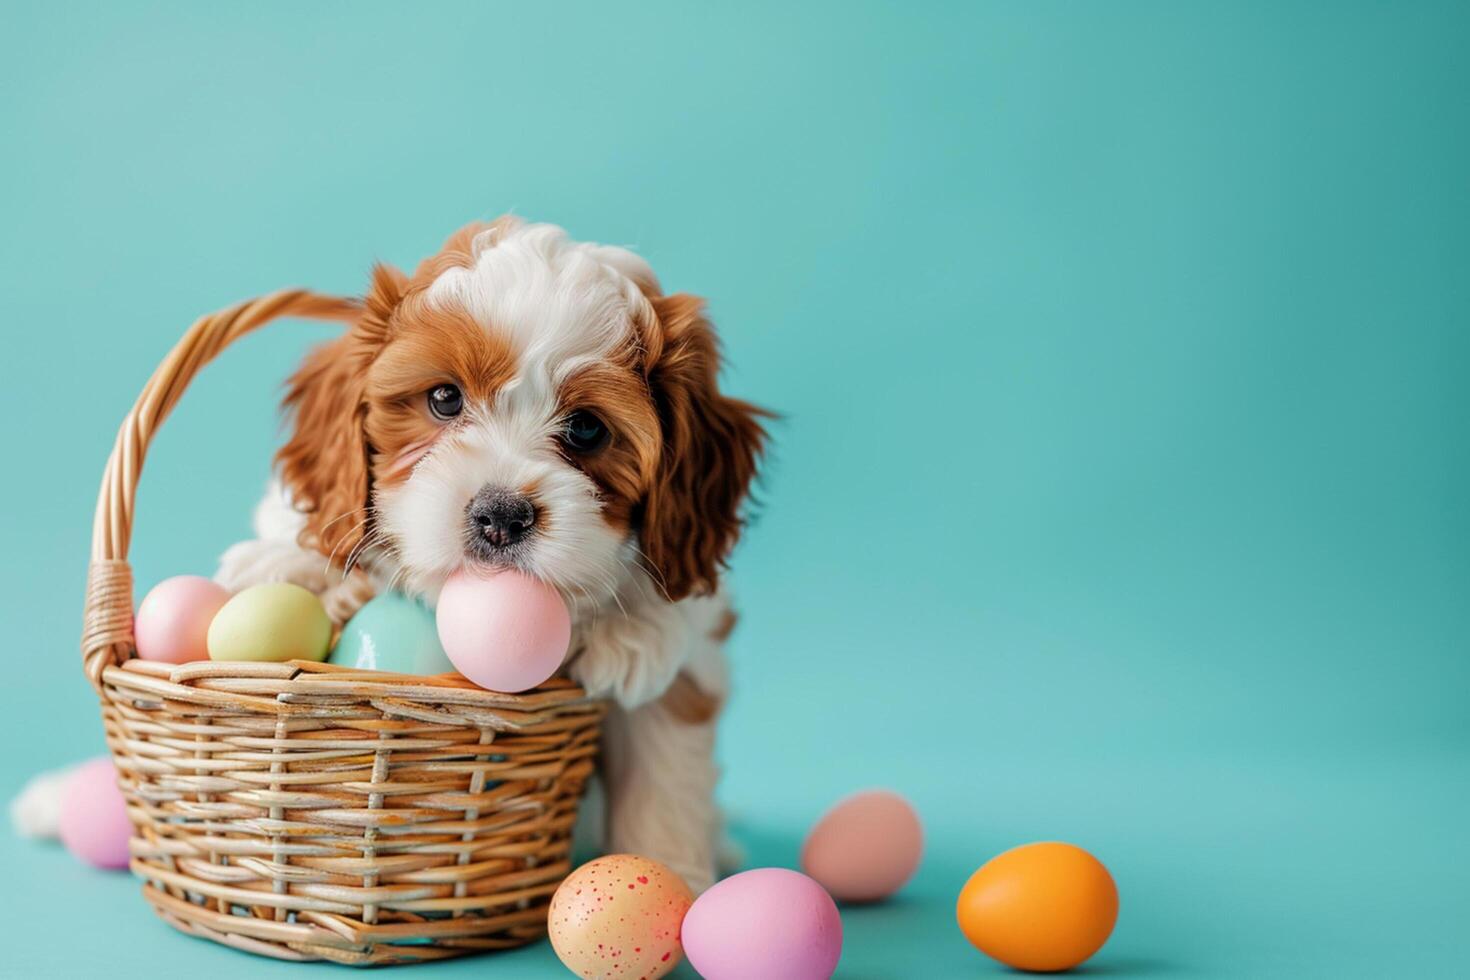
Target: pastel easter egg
[(865, 848), (94, 817), (504, 630), (1041, 907), (619, 916), (394, 633), (771, 923), (272, 622), (172, 624)]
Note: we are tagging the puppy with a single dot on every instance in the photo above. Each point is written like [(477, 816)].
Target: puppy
[(530, 402)]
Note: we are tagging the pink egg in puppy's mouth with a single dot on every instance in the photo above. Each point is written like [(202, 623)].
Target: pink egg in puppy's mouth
[(504, 630)]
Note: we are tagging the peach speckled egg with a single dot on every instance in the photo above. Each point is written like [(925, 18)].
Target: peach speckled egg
[(618, 918)]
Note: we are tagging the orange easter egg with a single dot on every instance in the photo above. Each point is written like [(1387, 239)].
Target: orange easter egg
[(1039, 907)]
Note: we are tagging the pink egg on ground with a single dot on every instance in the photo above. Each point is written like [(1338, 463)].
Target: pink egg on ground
[(94, 817), (505, 630), (173, 620), (770, 923), (864, 848)]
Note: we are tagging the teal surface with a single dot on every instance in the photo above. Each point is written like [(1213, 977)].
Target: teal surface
[(1121, 491)]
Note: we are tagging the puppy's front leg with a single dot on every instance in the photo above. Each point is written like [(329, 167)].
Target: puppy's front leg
[(660, 773)]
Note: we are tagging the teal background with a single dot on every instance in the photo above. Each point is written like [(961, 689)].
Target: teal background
[(1121, 491)]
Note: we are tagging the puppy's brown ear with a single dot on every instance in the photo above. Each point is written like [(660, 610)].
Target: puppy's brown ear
[(324, 463), (711, 445)]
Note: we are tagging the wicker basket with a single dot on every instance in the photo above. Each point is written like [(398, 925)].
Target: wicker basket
[(307, 811)]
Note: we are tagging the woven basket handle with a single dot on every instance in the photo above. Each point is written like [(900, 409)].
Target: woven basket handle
[(107, 627)]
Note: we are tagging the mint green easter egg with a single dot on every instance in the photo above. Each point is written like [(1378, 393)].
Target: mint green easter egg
[(394, 633)]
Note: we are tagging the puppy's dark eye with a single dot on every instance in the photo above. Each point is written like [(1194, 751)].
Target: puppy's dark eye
[(584, 432), (445, 402)]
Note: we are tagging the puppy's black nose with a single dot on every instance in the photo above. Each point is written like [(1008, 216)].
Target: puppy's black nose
[(501, 517)]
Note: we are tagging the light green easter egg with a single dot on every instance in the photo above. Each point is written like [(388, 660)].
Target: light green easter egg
[(394, 633), (272, 622)]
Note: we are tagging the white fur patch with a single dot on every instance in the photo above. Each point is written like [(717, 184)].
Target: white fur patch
[(563, 305)]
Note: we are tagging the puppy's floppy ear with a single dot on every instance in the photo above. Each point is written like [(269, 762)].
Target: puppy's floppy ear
[(324, 463), (711, 445)]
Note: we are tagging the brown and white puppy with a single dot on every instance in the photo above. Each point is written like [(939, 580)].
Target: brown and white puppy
[(528, 401)]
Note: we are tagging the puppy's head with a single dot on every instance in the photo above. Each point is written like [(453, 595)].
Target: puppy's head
[(523, 401)]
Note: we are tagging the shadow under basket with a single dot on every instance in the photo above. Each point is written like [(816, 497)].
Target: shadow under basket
[(307, 811)]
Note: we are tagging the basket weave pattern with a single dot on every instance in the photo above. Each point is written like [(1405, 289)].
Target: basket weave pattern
[(308, 811)]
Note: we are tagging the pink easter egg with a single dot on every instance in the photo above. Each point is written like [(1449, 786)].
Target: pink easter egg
[(770, 923), (865, 848), (173, 621), (94, 818), (504, 630)]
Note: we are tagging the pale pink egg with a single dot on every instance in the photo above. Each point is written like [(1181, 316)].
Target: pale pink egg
[(173, 621), (864, 848), (94, 817), (771, 923), (505, 631), (619, 917)]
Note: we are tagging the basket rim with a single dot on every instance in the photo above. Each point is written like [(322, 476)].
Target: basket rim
[(298, 687)]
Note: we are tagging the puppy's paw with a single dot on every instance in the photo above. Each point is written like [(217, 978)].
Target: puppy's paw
[(343, 599), (255, 562), (631, 658)]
